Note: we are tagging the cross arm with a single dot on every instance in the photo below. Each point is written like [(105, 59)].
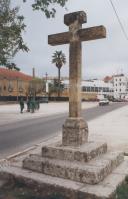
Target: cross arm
[(92, 33), (59, 39)]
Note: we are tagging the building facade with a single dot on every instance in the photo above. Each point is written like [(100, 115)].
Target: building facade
[(92, 89), (14, 84), (120, 84)]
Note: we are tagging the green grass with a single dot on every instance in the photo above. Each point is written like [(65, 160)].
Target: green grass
[(19, 191), (122, 191)]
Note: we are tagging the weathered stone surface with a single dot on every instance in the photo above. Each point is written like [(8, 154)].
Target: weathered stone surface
[(79, 16), (93, 33), (69, 189), (78, 136), (90, 173), (59, 39), (34, 163), (75, 132), (84, 153)]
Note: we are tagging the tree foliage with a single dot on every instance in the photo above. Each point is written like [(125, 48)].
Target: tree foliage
[(59, 59), (11, 28), (55, 87), (12, 66), (47, 6)]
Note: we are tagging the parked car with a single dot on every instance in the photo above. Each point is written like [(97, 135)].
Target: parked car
[(103, 102), (118, 100)]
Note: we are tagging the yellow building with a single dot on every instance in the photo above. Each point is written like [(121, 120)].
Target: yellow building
[(13, 84)]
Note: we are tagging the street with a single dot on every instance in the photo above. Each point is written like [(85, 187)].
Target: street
[(20, 135)]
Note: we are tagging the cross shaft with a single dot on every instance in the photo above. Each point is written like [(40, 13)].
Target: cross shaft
[(74, 37)]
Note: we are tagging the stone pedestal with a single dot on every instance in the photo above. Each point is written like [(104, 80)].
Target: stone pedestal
[(75, 132), (89, 163)]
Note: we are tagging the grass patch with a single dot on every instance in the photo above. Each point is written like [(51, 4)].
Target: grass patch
[(20, 191), (122, 191)]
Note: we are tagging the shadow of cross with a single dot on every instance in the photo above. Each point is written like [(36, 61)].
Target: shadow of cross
[(74, 37)]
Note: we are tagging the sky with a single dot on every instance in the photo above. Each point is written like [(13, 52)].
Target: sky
[(100, 58)]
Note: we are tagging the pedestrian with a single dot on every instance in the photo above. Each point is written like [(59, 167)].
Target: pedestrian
[(28, 105), (32, 105), (37, 105), (21, 105)]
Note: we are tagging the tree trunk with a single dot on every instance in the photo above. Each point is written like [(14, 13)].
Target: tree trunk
[(58, 82)]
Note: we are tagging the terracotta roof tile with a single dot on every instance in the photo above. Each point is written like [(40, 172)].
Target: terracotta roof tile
[(108, 78), (12, 74)]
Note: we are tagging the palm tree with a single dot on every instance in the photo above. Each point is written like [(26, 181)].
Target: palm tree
[(59, 59)]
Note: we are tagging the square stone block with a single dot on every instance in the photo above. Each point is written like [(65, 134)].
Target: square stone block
[(75, 132)]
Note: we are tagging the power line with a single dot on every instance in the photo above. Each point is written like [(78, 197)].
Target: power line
[(118, 18)]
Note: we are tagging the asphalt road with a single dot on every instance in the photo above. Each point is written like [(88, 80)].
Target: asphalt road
[(20, 135)]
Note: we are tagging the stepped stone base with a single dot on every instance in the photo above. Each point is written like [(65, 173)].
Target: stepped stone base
[(76, 172), (83, 153), (88, 163), (48, 185), (90, 173)]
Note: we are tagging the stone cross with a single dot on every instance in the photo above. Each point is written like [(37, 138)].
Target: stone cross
[(75, 129)]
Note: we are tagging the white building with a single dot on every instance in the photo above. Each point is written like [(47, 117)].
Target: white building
[(103, 89), (120, 86), (100, 88)]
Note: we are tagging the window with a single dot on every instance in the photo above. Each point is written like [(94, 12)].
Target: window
[(88, 89), (10, 84), (20, 83), (92, 89), (96, 89), (4, 88)]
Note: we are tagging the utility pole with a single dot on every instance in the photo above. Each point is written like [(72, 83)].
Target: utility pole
[(46, 83)]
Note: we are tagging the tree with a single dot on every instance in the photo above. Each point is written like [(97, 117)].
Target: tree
[(47, 6), (37, 86), (59, 59), (53, 87), (12, 66), (11, 28)]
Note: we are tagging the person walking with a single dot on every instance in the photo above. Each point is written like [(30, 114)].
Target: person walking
[(32, 105), (21, 105), (28, 105)]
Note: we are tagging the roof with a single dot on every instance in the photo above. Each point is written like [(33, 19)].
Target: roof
[(108, 78), (12, 74), (96, 83), (119, 75)]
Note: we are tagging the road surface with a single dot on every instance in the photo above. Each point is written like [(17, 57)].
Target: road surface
[(21, 135)]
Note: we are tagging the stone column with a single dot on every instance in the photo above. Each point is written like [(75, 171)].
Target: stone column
[(75, 129)]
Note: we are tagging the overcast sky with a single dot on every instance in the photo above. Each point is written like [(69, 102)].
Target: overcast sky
[(99, 57)]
